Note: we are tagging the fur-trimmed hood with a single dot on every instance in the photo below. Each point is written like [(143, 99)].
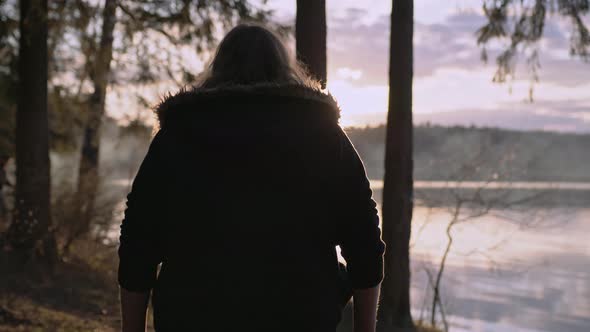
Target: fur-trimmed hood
[(193, 99)]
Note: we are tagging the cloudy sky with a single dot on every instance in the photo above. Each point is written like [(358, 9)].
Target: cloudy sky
[(451, 84)]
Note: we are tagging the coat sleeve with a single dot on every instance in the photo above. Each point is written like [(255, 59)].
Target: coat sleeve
[(139, 249), (359, 235)]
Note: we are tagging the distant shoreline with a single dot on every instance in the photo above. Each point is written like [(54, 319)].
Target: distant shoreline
[(526, 185)]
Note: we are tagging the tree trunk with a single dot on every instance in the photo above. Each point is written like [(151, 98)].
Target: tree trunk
[(3, 181), (394, 309), (30, 232), (310, 37), (88, 180)]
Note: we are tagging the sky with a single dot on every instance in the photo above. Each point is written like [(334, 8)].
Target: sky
[(452, 85)]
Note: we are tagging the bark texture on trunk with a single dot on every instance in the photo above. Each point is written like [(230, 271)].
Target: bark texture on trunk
[(30, 232), (394, 309), (88, 179), (310, 37), (3, 182)]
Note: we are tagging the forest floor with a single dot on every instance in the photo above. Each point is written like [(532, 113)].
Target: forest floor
[(80, 295)]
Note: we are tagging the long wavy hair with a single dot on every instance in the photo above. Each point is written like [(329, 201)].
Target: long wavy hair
[(252, 54)]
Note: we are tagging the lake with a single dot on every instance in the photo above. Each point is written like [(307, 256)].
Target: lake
[(502, 276), (526, 270)]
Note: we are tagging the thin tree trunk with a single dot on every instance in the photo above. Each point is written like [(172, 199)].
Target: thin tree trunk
[(440, 304), (394, 309), (29, 233), (310, 37), (437, 298), (88, 180), (441, 268)]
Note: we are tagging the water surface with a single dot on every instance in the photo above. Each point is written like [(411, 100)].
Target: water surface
[(525, 270)]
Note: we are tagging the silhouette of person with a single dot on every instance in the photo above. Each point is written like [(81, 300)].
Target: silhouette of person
[(246, 190)]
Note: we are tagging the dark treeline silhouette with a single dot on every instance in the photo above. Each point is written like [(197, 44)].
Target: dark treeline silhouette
[(534, 155)]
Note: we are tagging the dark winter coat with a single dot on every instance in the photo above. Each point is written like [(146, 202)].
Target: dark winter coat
[(242, 197)]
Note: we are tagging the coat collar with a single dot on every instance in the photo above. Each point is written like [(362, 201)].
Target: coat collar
[(192, 97)]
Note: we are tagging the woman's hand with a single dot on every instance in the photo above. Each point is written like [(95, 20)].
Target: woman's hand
[(365, 309), (133, 310)]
